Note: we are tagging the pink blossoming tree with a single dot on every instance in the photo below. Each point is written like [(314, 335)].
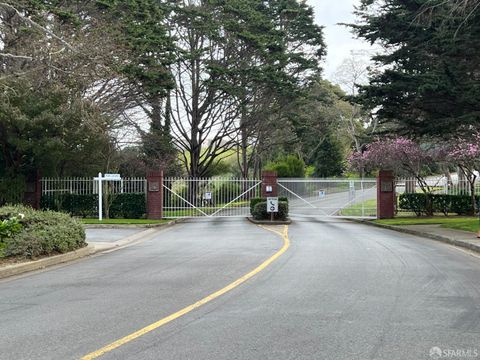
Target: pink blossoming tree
[(401, 155), (465, 154)]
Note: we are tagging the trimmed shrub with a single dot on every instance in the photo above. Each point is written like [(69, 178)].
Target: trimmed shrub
[(461, 204), (85, 205), (413, 202), (128, 206), (434, 203), (41, 233), (442, 203), (260, 211), (256, 200)]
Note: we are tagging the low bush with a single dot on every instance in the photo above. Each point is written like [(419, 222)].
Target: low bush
[(256, 200), (428, 204), (40, 232), (260, 211)]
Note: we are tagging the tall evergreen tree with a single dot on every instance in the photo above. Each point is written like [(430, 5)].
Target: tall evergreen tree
[(428, 77)]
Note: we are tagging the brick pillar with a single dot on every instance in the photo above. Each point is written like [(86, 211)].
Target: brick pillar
[(385, 195), (33, 191), (269, 182), (155, 195)]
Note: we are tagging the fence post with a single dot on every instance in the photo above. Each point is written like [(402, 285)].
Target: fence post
[(269, 184), (385, 195), (155, 195)]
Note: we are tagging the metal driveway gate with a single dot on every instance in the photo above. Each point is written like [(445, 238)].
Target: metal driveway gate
[(208, 197), (330, 197)]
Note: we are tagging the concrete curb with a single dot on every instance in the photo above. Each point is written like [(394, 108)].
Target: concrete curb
[(17, 269), (443, 239), (128, 226), (268, 222), (21, 268)]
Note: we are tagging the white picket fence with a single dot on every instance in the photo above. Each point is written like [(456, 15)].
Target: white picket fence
[(85, 186), (438, 185)]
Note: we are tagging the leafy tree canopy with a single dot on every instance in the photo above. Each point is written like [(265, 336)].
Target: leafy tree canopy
[(426, 80)]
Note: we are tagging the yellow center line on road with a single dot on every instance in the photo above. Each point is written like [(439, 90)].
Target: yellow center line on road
[(186, 310)]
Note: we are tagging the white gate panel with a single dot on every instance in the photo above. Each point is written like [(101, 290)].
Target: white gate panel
[(208, 197), (330, 197)]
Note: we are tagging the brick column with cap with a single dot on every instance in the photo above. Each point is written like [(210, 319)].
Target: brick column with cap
[(33, 191), (155, 195), (269, 184), (385, 195)]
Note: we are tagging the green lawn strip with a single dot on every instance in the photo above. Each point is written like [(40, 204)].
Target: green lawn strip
[(123, 221), (366, 208), (459, 223), (200, 210)]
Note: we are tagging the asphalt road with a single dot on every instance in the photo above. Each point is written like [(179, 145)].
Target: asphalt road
[(341, 291)]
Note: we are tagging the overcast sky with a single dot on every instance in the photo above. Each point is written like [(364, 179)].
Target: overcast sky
[(338, 38)]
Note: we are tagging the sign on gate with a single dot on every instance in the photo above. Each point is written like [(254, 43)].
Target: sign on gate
[(272, 204), (207, 196), (322, 194)]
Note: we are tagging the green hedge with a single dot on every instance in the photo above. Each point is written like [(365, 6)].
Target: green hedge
[(128, 206), (427, 204), (260, 211), (41, 232), (256, 200)]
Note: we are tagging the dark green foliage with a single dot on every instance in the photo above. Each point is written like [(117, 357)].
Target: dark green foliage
[(128, 206), (461, 204), (12, 190), (85, 206), (428, 86), (260, 211), (42, 233), (329, 158), (46, 129), (413, 202), (429, 204)]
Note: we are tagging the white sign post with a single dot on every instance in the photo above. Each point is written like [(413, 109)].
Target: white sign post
[(101, 179), (272, 206)]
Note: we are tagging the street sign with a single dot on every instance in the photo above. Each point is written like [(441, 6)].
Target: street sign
[(322, 194), (101, 179), (272, 204), (112, 177)]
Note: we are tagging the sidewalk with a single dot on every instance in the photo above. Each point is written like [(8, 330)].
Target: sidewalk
[(459, 238), (99, 240)]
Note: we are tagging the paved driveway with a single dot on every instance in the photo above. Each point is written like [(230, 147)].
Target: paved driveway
[(341, 291)]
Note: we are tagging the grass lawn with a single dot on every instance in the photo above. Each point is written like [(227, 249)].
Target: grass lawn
[(366, 208), (471, 223), (124, 221)]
